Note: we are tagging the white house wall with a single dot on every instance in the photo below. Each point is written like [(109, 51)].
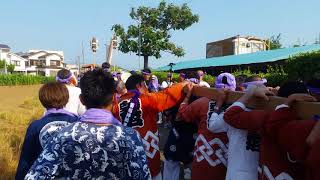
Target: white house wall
[(22, 66), (37, 55)]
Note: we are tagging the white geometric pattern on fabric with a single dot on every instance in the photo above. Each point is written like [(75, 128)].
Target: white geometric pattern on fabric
[(266, 172), (205, 151), (151, 146)]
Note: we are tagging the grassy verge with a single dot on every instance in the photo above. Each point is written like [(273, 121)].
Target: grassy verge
[(13, 125)]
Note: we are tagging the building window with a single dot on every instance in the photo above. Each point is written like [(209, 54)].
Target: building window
[(16, 63), (53, 63)]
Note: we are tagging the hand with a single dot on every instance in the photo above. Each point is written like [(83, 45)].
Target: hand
[(298, 98), (221, 97), (188, 88), (262, 92), (274, 90)]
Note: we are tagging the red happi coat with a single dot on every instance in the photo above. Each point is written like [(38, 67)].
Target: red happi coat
[(274, 161), (209, 161), (143, 118), (291, 134)]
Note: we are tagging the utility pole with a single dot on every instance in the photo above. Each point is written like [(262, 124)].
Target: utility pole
[(78, 64), (82, 53)]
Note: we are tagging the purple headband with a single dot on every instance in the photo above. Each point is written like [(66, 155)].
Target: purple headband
[(67, 80), (145, 73), (314, 90), (182, 75), (114, 74), (231, 80), (194, 80), (261, 82)]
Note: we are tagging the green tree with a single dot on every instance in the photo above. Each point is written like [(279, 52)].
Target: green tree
[(2, 64), (10, 68), (274, 42), (304, 66), (153, 30)]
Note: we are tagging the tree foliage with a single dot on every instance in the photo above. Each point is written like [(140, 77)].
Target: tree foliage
[(304, 66), (153, 30), (275, 42), (10, 68), (2, 64)]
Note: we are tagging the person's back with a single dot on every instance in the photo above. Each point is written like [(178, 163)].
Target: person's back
[(243, 148), (139, 109), (97, 146), (90, 151), (53, 96), (210, 149), (74, 104)]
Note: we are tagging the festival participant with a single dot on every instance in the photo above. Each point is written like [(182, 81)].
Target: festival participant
[(202, 83), (179, 146), (240, 80), (168, 82), (119, 74), (182, 77), (273, 161), (97, 147), (154, 84), (53, 96), (243, 156), (74, 105), (210, 154), (139, 109), (146, 74), (106, 66)]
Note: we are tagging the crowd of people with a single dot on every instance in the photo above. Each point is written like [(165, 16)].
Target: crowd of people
[(103, 126)]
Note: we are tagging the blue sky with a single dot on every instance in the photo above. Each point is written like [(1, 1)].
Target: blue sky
[(64, 24)]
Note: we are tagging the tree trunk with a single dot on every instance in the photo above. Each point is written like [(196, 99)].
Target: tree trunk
[(145, 61)]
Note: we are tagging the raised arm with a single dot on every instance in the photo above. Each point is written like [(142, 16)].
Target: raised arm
[(284, 114), (167, 98)]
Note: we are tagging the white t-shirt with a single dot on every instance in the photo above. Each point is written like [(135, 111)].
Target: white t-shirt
[(74, 104), (242, 163), (204, 84), (165, 84)]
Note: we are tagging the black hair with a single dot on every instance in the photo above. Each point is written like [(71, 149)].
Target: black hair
[(133, 72), (63, 73), (292, 87), (224, 80), (147, 70), (97, 88), (105, 65), (133, 80)]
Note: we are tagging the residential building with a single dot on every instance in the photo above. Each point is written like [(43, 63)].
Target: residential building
[(44, 62), (234, 46), (12, 58), (41, 62)]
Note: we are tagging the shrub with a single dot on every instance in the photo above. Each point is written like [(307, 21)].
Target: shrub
[(304, 66), (21, 79)]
